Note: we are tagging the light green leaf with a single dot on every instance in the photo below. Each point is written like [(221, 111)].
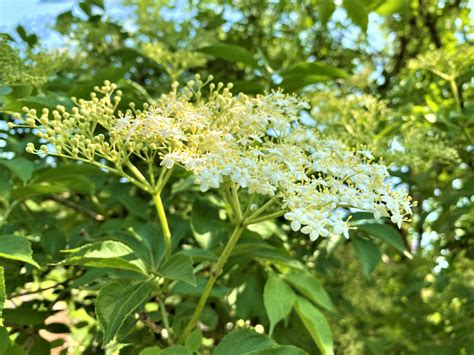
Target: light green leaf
[(390, 7), (310, 287), (231, 53), (357, 12), (105, 254), (2, 293), (368, 253), (326, 9), (316, 324), (278, 299), (385, 232), (20, 167), (179, 267), (242, 341), (16, 248), (194, 340), (115, 302)]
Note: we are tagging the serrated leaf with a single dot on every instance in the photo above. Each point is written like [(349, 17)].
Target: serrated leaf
[(179, 267), (242, 341), (368, 253), (316, 324), (231, 53), (20, 167), (105, 254), (115, 303), (310, 287), (278, 299), (385, 232), (16, 248)]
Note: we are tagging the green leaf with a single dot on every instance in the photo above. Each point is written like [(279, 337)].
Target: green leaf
[(182, 288), (279, 350), (310, 287), (305, 73), (390, 7), (20, 167), (368, 253), (5, 90), (316, 324), (172, 350), (105, 254), (194, 340), (385, 232), (179, 267), (16, 248), (326, 9), (316, 68), (357, 12), (3, 296), (278, 298), (242, 341), (115, 303), (207, 228), (26, 314), (231, 53)]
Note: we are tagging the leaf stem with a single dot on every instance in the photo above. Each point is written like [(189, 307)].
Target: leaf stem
[(233, 239), (164, 223), (265, 218)]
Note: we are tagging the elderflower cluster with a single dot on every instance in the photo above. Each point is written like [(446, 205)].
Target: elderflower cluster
[(253, 145)]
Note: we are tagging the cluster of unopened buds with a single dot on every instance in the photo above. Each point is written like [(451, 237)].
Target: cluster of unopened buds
[(256, 147)]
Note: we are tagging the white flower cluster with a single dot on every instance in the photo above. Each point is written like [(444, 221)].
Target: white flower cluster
[(258, 144)]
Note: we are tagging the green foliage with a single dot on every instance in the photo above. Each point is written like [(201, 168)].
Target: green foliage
[(85, 245)]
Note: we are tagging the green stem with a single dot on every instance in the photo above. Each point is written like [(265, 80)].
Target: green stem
[(164, 223), (454, 89), (265, 218), (233, 239), (166, 321)]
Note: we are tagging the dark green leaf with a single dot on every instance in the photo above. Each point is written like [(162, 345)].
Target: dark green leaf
[(2, 294), (179, 267), (231, 53), (115, 302), (243, 341), (368, 253), (385, 232), (279, 350)]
